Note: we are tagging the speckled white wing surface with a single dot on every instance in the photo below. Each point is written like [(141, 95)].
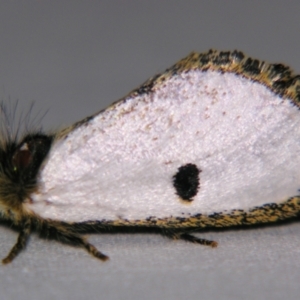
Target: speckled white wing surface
[(243, 137)]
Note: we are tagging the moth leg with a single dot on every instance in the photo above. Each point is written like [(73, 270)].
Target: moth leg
[(190, 238), (20, 244), (91, 249), (66, 236)]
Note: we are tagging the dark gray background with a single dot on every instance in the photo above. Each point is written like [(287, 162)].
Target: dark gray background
[(73, 58)]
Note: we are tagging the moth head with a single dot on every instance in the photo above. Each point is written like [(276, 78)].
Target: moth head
[(19, 166)]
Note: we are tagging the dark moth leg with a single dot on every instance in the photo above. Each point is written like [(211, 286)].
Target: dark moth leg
[(21, 242), (64, 234), (189, 238)]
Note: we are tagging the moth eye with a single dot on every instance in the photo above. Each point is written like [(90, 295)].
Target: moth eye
[(28, 157), (186, 181), (22, 157)]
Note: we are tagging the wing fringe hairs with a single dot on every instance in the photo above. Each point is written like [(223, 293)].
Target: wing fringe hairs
[(21, 162)]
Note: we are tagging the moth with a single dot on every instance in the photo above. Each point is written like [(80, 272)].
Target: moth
[(212, 142)]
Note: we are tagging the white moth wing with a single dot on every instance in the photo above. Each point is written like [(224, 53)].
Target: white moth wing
[(120, 164)]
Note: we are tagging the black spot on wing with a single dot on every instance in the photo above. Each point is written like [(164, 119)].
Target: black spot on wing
[(186, 181)]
